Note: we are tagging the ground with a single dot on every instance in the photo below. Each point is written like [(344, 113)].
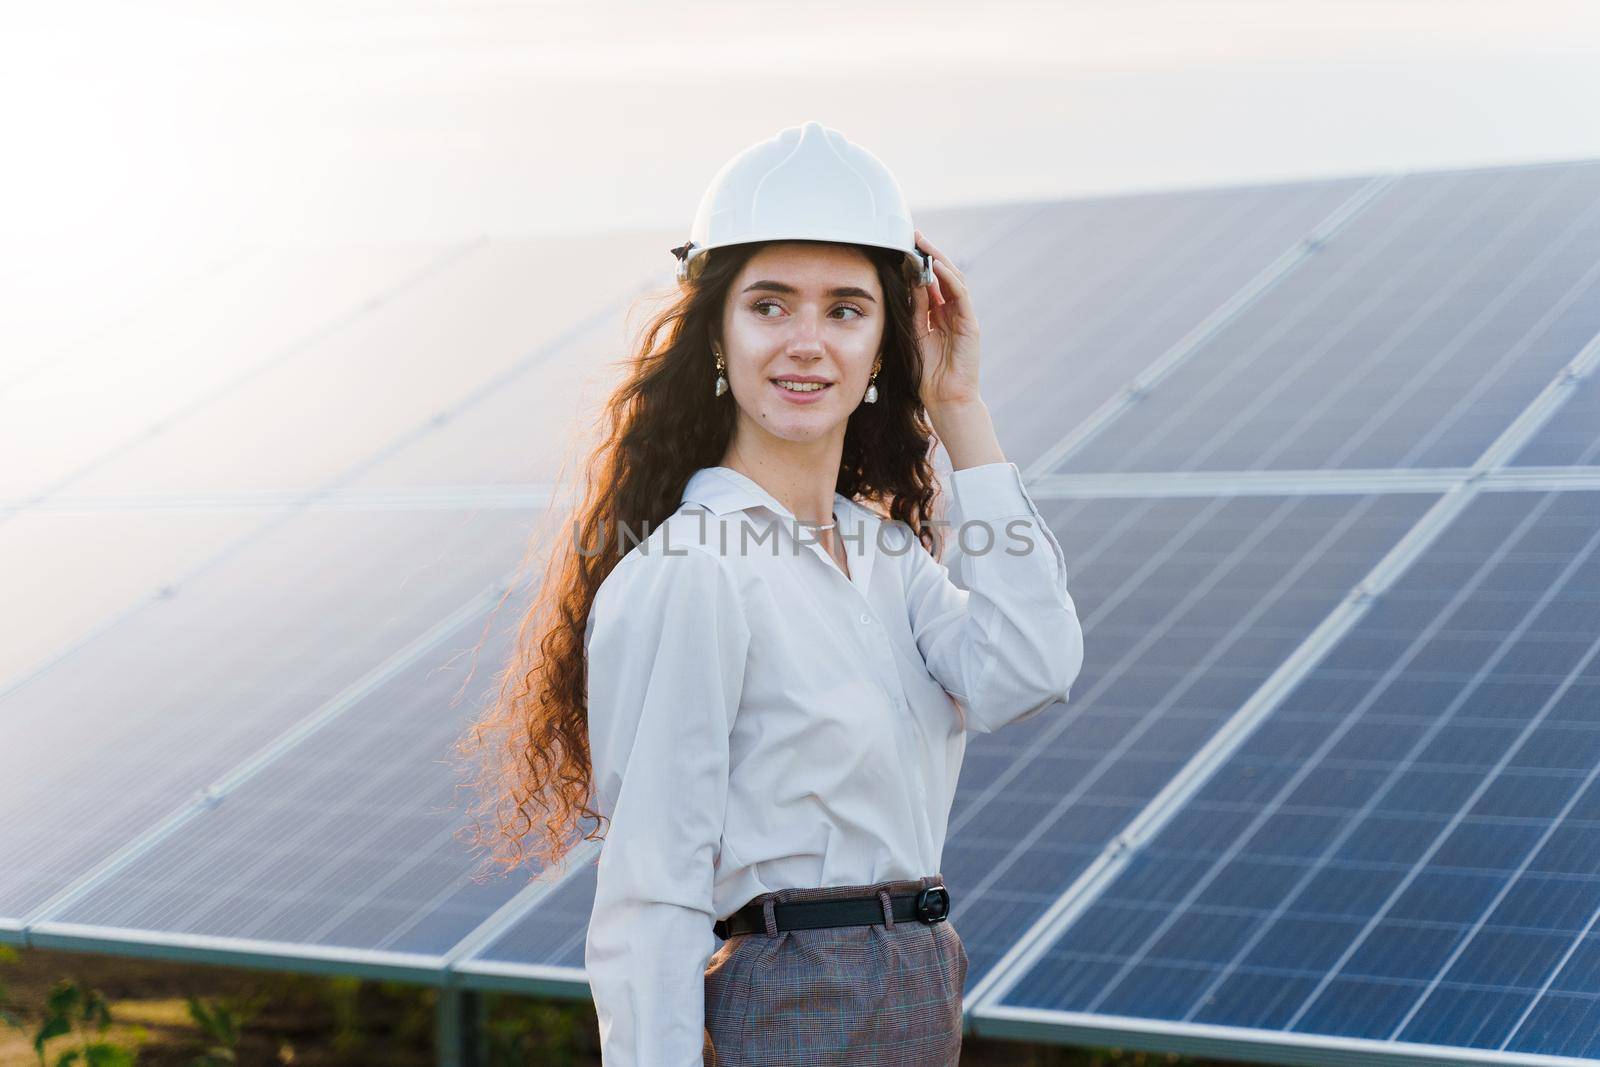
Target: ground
[(313, 1021)]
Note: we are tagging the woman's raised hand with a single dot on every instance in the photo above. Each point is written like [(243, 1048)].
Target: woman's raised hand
[(948, 332)]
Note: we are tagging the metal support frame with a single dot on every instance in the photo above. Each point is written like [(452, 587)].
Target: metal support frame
[(461, 1028)]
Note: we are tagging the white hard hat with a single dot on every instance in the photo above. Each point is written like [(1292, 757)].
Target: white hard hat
[(807, 183)]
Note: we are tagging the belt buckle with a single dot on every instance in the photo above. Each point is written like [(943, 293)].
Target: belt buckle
[(933, 904)]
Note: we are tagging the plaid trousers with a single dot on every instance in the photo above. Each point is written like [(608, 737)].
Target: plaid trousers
[(886, 995)]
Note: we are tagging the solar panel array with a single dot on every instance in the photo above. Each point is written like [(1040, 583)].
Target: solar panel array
[(1408, 847), (1317, 455)]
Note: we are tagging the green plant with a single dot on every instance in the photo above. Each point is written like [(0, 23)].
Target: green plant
[(67, 1007), (344, 996), (7, 1016), (411, 1010), (532, 1031), (221, 1021)]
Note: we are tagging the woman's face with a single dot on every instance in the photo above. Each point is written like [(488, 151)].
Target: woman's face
[(802, 310)]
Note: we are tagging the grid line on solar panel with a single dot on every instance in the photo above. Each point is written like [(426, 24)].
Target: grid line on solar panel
[(1307, 357), (1145, 486), (1148, 484), (1149, 378), (1453, 844), (1570, 435)]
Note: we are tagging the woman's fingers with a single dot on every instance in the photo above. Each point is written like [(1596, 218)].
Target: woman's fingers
[(928, 246), (953, 287)]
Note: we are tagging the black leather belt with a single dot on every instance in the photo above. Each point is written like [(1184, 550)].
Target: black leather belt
[(929, 905)]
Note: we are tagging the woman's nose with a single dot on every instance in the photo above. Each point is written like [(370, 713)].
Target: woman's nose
[(807, 335)]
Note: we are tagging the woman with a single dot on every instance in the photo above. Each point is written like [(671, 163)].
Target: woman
[(766, 680)]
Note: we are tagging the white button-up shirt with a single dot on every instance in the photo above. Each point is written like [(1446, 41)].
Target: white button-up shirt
[(759, 721)]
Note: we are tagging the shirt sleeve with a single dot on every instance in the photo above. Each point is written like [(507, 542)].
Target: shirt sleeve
[(1006, 641), (666, 652)]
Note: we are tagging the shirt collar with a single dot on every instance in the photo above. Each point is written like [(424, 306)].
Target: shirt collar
[(723, 490)]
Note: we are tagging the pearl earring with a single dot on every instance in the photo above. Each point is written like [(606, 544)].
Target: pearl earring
[(872, 388), (722, 381)]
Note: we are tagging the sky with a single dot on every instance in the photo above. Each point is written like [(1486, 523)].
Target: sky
[(155, 135)]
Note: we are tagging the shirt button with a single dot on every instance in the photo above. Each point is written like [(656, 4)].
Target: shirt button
[(865, 617)]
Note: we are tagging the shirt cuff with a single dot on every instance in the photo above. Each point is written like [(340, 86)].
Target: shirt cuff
[(989, 491)]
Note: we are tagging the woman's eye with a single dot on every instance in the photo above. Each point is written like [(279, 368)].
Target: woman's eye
[(760, 307)]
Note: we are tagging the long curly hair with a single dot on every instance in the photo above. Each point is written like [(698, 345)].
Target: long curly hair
[(660, 425)]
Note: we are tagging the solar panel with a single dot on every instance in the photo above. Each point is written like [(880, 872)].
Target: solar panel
[(1406, 849), (275, 631), (1193, 604), (37, 338), (346, 839), (126, 388), (384, 376), (1238, 408), (1411, 338), (83, 569), (1080, 296), (551, 935)]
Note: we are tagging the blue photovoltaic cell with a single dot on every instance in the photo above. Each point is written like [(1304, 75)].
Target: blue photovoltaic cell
[(1188, 606), (1572, 436), (553, 933), (348, 839), (120, 733), (1082, 295), (1408, 848), (1412, 338)]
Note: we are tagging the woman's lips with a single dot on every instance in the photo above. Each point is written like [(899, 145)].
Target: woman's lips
[(802, 398)]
